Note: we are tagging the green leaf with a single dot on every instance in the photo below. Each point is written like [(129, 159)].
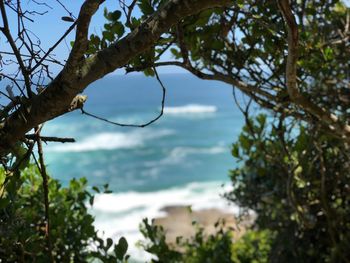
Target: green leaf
[(240, 3), (235, 151), (121, 249), (245, 142), (175, 52), (118, 29), (109, 243), (145, 7), (108, 36), (4, 202), (149, 72), (328, 53), (91, 200), (96, 189), (22, 158), (95, 40), (115, 15), (261, 120)]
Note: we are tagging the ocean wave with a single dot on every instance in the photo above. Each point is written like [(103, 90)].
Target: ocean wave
[(190, 109), (199, 195), (179, 154), (111, 141), (120, 214), (185, 151)]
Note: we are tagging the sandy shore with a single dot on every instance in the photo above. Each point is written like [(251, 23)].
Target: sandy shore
[(178, 222)]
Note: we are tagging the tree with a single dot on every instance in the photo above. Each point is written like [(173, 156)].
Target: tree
[(289, 57), (256, 47), (61, 94)]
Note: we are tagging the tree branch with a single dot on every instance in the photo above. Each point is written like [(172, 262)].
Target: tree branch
[(226, 78), (49, 138), (291, 76), (135, 125), (46, 195), (57, 98), (53, 47), (6, 31), (81, 42)]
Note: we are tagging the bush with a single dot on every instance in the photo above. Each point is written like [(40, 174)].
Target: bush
[(73, 236), (296, 179), (199, 249), (252, 247)]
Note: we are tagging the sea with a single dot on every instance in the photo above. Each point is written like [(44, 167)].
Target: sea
[(184, 158)]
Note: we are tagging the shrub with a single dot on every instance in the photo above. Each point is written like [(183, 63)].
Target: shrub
[(296, 179), (199, 249), (252, 247), (73, 236)]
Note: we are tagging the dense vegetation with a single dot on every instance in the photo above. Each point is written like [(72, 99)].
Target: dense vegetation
[(289, 57), (296, 178), (73, 238)]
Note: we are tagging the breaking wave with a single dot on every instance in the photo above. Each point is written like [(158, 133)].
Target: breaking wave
[(190, 109), (111, 141), (120, 214)]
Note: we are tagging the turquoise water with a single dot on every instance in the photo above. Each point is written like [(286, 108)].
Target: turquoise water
[(190, 143), (182, 159)]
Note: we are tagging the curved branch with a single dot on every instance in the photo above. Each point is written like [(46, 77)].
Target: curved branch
[(226, 78), (298, 98)]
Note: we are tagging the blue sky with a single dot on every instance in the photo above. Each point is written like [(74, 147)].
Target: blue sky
[(49, 27)]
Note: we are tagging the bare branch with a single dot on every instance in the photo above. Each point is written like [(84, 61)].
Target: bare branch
[(135, 125), (46, 194), (6, 31), (50, 138), (39, 63)]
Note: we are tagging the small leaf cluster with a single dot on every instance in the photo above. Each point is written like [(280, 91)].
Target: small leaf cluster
[(253, 247), (112, 31)]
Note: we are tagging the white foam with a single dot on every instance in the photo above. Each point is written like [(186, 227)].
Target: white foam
[(185, 151), (190, 109), (179, 154), (109, 141), (120, 214)]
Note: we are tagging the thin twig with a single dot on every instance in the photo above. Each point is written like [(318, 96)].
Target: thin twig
[(6, 32), (46, 193), (134, 125), (54, 46), (50, 138)]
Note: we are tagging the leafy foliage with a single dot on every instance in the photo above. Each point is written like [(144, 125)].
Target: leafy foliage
[(296, 179), (252, 247), (113, 30), (73, 236), (200, 249)]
